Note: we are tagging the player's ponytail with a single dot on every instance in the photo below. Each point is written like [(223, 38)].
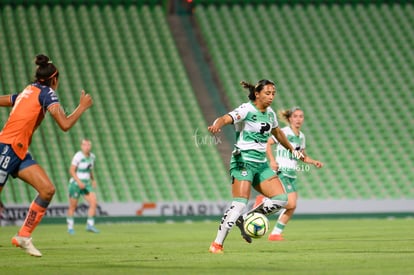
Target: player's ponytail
[(45, 70), (249, 86), (255, 88), (284, 115)]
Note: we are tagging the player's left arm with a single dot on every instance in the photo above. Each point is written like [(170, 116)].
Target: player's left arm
[(64, 121), (93, 181), (309, 160), (281, 137)]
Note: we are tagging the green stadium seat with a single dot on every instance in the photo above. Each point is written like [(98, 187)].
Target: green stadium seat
[(347, 77), (144, 111)]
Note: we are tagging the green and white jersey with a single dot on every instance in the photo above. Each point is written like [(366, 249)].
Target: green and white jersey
[(84, 165), (253, 129), (287, 163)]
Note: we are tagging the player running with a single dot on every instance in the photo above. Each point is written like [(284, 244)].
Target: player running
[(254, 122), (29, 109)]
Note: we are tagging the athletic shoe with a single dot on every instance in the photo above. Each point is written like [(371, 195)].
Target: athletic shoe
[(26, 244), (239, 224), (71, 231), (259, 200), (275, 237), (216, 248), (91, 228)]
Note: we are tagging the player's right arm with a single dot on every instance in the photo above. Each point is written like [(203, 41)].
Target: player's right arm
[(7, 100), (233, 117), (219, 123), (66, 122)]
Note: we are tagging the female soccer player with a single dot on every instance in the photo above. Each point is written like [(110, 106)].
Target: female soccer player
[(254, 122), (287, 166), (82, 183), (29, 109)]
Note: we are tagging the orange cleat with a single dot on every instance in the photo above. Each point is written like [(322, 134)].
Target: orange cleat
[(216, 248), (259, 200), (275, 237)]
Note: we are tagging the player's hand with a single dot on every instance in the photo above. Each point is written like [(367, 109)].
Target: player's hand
[(85, 100), (213, 129), (274, 165), (81, 185), (318, 164)]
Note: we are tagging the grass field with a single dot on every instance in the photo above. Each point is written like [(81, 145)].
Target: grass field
[(349, 246)]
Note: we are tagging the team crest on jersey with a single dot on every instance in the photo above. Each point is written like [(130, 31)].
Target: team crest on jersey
[(244, 173)]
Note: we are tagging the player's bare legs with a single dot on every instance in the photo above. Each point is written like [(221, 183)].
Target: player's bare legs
[(73, 203), (91, 199)]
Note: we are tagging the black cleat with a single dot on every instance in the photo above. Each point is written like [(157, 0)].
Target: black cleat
[(239, 223)]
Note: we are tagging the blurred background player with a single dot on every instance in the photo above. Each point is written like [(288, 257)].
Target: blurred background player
[(254, 122), (286, 165), (82, 183), (29, 109)]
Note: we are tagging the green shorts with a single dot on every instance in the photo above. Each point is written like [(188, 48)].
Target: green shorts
[(75, 192), (255, 172), (289, 183)]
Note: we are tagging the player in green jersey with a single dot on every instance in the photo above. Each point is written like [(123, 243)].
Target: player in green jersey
[(254, 122), (287, 166), (82, 183)]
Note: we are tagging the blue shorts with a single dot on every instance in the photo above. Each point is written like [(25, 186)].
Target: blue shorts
[(11, 164)]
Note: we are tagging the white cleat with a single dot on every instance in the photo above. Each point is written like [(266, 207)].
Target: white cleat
[(26, 244)]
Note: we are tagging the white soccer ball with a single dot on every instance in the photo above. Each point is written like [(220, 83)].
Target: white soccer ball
[(256, 225)]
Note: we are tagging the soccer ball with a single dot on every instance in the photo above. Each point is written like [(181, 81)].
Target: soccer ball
[(256, 225)]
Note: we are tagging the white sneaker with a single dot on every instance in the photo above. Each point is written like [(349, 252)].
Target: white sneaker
[(26, 244)]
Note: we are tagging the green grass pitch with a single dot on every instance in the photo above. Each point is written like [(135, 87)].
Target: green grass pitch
[(325, 246)]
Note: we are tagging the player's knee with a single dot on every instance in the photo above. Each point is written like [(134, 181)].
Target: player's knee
[(93, 204), (291, 206), (47, 192)]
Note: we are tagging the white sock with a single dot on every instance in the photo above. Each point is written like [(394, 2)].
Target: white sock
[(90, 221), (70, 221), (229, 220), (278, 229)]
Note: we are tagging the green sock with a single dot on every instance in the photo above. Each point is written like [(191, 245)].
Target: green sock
[(278, 229)]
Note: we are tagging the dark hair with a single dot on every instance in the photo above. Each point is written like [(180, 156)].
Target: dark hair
[(45, 70), (256, 88)]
